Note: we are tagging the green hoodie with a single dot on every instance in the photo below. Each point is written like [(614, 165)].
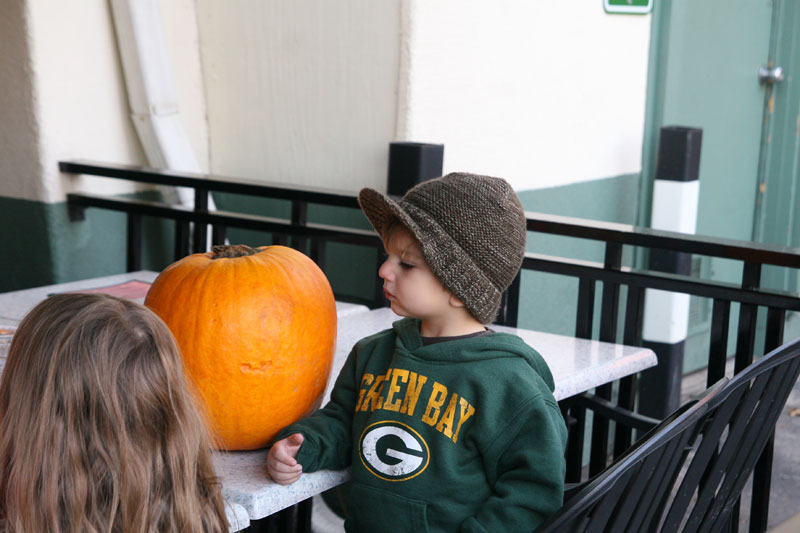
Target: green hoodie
[(463, 435)]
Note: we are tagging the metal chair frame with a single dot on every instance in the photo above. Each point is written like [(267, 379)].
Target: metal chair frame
[(688, 472)]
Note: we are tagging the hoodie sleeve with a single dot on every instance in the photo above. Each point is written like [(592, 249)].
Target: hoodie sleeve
[(327, 431), (526, 465)]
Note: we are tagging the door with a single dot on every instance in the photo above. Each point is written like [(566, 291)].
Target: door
[(708, 78), (777, 210)]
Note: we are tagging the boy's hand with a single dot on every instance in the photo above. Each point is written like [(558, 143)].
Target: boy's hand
[(282, 466)]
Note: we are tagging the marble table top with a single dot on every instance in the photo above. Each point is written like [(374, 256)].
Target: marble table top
[(578, 365), (15, 304)]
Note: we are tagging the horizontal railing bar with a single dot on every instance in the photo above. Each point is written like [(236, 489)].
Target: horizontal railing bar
[(205, 181), (652, 238), (227, 219), (660, 280), (545, 223)]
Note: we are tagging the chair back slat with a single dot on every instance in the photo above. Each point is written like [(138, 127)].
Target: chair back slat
[(629, 507), (655, 506), (759, 414), (606, 507), (588, 511), (688, 472), (758, 394), (644, 489)]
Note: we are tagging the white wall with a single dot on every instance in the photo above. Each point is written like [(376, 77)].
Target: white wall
[(76, 101), (79, 93), (543, 93)]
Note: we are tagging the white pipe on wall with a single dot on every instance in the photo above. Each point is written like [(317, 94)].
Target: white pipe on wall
[(151, 90)]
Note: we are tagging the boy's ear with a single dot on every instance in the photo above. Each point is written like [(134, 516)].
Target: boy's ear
[(455, 301)]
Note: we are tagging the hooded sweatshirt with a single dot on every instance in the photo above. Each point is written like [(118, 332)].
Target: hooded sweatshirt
[(462, 435)]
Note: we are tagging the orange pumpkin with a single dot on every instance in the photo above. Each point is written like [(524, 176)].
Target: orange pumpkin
[(257, 329)]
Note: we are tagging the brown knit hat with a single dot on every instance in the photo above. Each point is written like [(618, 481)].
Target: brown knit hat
[(471, 229)]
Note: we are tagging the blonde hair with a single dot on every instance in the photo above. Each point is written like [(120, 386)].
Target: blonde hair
[(99, 429)]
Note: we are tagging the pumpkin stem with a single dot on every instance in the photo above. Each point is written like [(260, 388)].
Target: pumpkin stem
[(229, 251)]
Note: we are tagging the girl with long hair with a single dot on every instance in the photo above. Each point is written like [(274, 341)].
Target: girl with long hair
[(99, 429)]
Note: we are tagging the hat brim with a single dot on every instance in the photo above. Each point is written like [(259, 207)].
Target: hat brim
[(446, 259), (382, 212)]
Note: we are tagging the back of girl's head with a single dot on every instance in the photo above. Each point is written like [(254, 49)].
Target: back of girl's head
[(99, 429)]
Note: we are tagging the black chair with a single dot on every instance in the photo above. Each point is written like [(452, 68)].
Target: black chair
[(688, 472)]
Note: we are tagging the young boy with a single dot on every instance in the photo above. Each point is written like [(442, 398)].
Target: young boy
[(448, 426)]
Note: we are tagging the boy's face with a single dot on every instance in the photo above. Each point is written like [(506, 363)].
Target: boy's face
[(408, 282)]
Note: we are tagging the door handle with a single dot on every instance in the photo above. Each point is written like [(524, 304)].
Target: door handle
[(770, 75)]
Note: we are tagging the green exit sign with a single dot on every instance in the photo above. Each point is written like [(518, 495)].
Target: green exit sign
[(628, 6)]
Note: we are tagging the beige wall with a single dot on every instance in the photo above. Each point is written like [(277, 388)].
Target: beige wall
[(19, 145), (63, 96), (543, 93), (301, 91)]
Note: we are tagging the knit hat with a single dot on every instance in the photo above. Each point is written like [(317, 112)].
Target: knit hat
[(471, 229)]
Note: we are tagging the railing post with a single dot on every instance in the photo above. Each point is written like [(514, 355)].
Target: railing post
[(378, 297), (218, 234), (608, 333), (181, 245), (509, 306), (200, 228), (626, 396), (762, 474), (317, 252), (577, 430), (299, 218), (718, 342), (134, 242), (746, 332), (584, 318)]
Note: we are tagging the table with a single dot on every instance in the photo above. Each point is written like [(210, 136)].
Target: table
[(16, 304), (577, 365)]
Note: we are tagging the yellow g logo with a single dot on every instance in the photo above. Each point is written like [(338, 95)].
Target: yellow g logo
[(393, 451)]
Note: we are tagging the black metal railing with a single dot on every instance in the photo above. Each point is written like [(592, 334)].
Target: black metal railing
[(612, 277), (621, 289), (192, 224)]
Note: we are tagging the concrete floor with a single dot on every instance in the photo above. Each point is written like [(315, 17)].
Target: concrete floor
[(791, 525), (323, 520)]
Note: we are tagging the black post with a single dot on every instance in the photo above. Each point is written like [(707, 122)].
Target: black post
[(134, 242), (675, 193), (412, 163), (200, 229)]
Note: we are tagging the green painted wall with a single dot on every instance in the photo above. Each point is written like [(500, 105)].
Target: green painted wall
[(42, 246), (549, 301), (25, 240)]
